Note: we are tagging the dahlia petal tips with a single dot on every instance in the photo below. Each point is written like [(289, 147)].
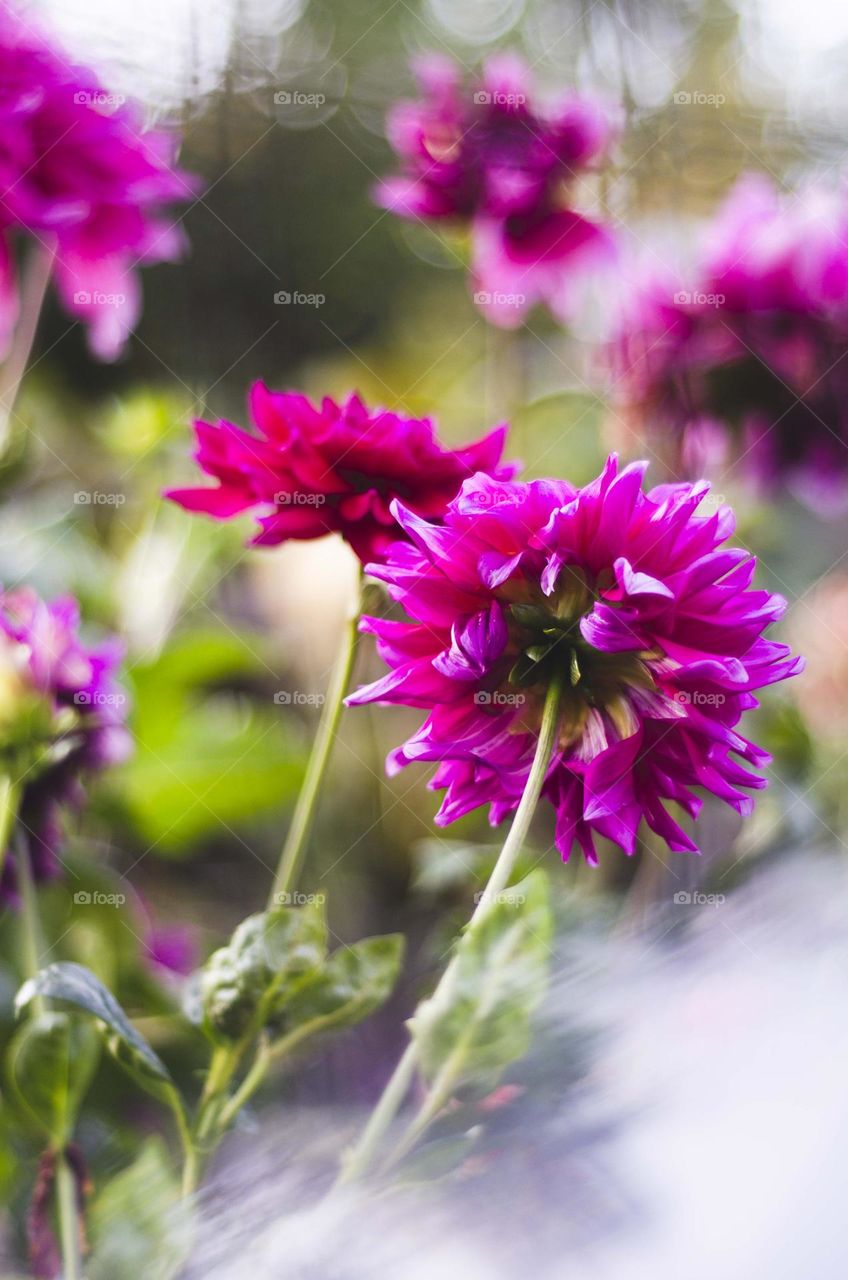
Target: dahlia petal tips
[(332, 468), (82, 178), (630, 598)]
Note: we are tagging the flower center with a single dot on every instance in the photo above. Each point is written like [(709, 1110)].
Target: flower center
[(546, 641)]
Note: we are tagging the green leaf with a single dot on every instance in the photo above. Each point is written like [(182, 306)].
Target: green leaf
[(50, 1064), (479, 1021), (268, 958), (138, 1225), (355, 981), (73, 985)]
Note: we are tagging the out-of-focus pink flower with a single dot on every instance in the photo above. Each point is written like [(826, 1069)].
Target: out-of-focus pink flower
[(752, 345), (633, 599), (329, 468), (62, 716), (81, 177), (490, 156), (820, 624)]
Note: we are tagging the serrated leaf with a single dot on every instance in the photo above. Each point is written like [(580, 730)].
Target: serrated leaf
[(138, 1224), (50, 1063), (269, 957), (355, 981), (479, 1020), (75, 986)]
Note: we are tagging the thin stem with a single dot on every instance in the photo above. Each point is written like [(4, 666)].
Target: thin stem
[(360, 1159), (9, 800), (294, 847), (66, 1200), (37, 274), (31, 925)]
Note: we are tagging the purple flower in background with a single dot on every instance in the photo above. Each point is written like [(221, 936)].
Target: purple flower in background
[(61, 717), (633, 598), (488, 156), (747, 359), (330, 468), (81, 177)]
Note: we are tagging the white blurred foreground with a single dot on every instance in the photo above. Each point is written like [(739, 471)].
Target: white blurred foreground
[(683, 1116)]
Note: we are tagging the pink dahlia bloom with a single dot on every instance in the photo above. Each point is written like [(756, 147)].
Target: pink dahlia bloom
[(751, 348), (329, 468), (62, 716), (79, 175), (489, 156), (634, 598)]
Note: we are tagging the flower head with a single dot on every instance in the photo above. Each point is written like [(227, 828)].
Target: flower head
[(489, 156), (751, 348), (632, 600), (61, 716), (330, 468), (79, 175)]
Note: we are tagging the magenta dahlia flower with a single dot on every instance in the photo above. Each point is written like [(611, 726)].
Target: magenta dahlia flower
[(490, 157), (80, 176), (332, 468), (632, 599), (62, 717), (745, 361)]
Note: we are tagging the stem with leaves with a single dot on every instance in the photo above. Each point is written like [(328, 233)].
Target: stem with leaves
[(363, 1156), (294, 848)]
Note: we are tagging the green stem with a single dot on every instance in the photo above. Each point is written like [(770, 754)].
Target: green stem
[(9, 800), (33, 944), (360, 1159), (37, 274), (294, 847), (66, 1200)]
